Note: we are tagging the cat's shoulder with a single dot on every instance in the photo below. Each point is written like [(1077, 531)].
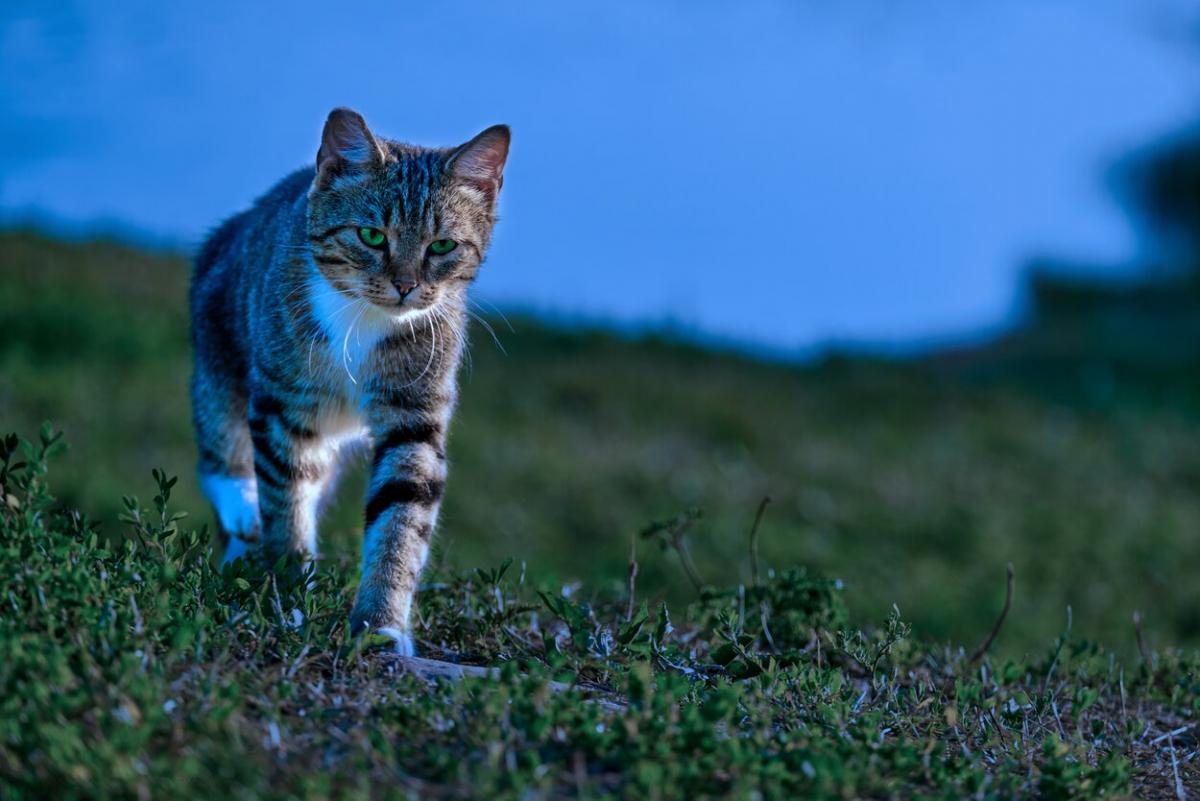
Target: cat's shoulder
[(225, 237), (288, 189)]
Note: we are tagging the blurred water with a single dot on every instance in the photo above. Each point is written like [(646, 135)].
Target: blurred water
[(780, 172)]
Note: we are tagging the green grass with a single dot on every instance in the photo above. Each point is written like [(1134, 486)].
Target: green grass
[(138, 670)]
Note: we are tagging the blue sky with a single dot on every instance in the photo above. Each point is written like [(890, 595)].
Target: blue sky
[(784, 173)]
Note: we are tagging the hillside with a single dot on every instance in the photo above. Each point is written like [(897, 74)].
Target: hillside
[(913, 483), (132, 667)]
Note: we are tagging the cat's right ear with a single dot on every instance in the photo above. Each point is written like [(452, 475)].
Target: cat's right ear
[(346, 142)]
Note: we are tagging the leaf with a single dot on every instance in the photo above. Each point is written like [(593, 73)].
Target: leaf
[(724, 654), (630, 630), (744, 669)]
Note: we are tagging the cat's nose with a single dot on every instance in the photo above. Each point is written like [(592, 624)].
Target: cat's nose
[(404, 288)]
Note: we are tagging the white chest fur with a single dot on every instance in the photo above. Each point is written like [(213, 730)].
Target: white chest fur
[(353, 328)]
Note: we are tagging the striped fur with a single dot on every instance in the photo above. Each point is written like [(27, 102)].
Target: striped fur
[(305, 343)]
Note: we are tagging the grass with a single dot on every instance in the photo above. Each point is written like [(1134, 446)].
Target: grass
[(138, 670), (130, 667)]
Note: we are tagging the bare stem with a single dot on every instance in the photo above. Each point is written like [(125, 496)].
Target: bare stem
[(685, 558), (633, 571), (758, 516), (1141, 643), (1008, 595)]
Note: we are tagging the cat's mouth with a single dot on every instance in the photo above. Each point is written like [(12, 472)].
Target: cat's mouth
[(400, 304), (406, 308)]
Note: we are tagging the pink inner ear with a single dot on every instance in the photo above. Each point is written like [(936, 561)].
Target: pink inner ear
[(346, 138), (480, 162)]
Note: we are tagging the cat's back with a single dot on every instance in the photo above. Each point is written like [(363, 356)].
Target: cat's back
[(232, 265), (244, 240)]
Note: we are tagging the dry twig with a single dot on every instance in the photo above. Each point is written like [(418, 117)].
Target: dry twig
[(983, 648), (758, 516), (633, 571), (1137, 633), (437, 670)]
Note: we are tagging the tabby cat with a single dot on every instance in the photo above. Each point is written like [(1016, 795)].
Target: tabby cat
[(334, 311)]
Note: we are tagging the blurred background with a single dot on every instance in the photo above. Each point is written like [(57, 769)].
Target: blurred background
[(925, 273)]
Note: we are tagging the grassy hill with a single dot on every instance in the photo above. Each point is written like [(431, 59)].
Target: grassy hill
[(913, 486), (136, 669), (131, 668)]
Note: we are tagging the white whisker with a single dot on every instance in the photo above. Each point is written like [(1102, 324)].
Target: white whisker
[(489, 329), (432, 317), (496, 311), (346, 345), (458, 336)]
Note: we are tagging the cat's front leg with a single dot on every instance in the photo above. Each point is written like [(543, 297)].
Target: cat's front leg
[(408, 475)]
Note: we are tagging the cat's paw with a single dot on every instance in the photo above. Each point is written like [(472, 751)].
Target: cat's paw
[(238, 547), (402, 642)]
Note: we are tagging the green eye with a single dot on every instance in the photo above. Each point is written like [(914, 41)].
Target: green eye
[(371, 237), (440, 247)]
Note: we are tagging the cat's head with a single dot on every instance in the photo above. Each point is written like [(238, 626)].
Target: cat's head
[(397, 225)]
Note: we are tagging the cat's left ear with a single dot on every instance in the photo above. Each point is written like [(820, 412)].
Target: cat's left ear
[(347, 142), (480, 163)]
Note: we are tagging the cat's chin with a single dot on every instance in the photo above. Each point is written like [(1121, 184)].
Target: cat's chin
[(407, 314)]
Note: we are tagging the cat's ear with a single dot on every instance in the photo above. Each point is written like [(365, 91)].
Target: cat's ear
[(480, 162), (347, 141)]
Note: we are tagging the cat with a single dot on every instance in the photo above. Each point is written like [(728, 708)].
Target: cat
[(333, 311)]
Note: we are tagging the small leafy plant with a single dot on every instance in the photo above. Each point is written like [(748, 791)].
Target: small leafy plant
[(134, 667)]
